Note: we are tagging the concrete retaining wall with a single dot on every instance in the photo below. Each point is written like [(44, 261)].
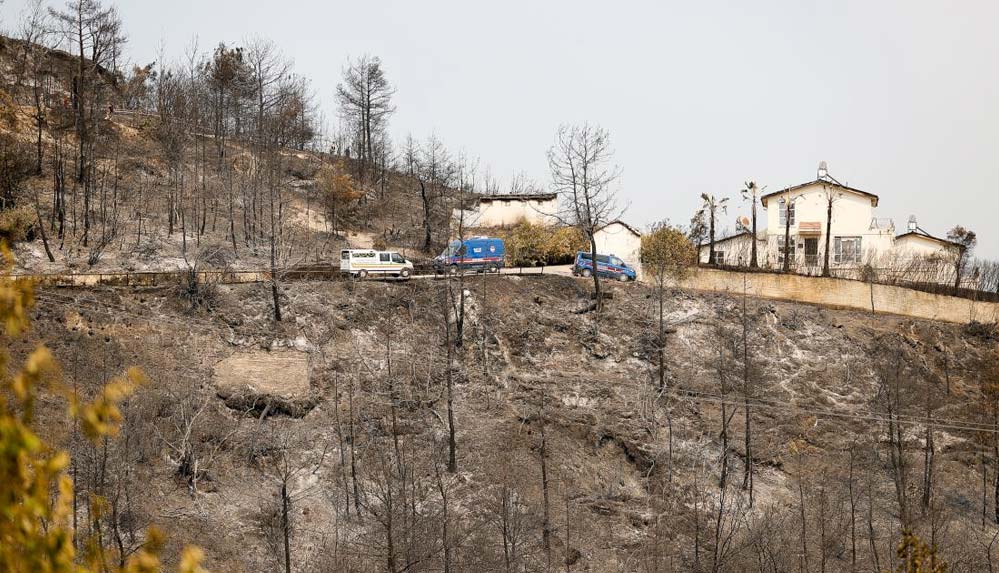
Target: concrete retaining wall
[(842, 293), (143, 278)]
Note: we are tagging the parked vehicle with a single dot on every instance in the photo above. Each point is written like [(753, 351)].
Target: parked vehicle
[(363, 262), (478, 253), (608, 266)]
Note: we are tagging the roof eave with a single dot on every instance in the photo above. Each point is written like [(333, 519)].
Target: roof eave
[(872, 196)]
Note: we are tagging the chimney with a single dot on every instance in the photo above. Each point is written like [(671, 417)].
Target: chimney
[(823, 170), (912, 224)]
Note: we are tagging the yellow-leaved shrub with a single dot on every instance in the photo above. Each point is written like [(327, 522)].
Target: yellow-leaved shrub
[(530, 244), (36, 534)]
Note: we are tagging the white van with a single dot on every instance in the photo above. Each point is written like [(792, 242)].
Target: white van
[(362, 262)]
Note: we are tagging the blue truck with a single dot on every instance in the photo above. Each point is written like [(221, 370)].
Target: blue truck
[(476, 253), (608, 266)]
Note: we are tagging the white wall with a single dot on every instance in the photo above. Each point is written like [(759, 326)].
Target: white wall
[(501, 212), (616, 239)]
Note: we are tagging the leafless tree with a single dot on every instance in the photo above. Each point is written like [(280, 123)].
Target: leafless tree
[(434, 172), (36, 34), (786, 204), (831, 195), (582, 175)]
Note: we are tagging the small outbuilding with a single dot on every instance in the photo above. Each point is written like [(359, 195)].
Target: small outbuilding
[(735, 249), (620, 239)]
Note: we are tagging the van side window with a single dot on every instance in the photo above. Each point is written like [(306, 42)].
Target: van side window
[(344, 255), (617, 262), (383, 257), (603, 259)]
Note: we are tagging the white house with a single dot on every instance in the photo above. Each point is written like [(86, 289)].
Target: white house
[(507, 210), (620, 239), (917, 243), (737, 249), (856, 235)]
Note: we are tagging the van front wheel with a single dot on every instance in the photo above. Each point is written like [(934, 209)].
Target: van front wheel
[(404, 273), (623, 278), (587, 273), (453, 270), (362, 274)]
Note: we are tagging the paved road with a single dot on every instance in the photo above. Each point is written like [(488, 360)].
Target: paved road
[(178, 276)]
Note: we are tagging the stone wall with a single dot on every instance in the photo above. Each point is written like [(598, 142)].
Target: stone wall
[(843, 293)]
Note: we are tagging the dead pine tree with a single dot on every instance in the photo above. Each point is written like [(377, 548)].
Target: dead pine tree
[(365, 100), (798, 450), (285, 470), (892, 369), (747, 394), (853, 507), (929, 450), (451, 330), (434, 171), (722, 367), (583, 177), (546, 524), (989, 382)]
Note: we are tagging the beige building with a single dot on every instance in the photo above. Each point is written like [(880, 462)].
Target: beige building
[(855, 234), (622, 240), (507, 210)]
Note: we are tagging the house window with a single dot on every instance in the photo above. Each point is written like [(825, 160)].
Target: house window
[(786, 211), (718, 258), (847, 250), (780, 248)]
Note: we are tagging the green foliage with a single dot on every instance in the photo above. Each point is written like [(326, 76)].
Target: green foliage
[(36, 495), (529, 244), (667, 253)]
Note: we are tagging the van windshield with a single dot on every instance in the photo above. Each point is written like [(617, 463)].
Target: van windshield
[(452, 248)]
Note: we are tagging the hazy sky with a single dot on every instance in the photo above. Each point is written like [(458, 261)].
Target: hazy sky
[(900, 98)]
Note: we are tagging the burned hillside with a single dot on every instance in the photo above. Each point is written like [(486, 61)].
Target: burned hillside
[(547, 403)]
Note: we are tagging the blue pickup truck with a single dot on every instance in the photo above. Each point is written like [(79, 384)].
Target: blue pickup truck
[(608, 266), (477, 253)]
